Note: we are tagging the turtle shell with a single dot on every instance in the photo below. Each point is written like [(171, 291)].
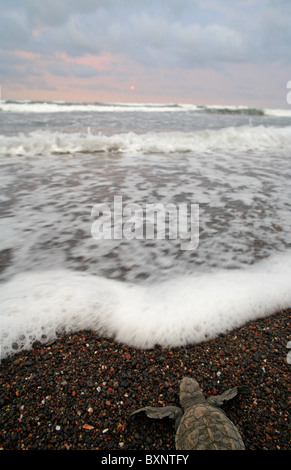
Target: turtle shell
[(205, 427)]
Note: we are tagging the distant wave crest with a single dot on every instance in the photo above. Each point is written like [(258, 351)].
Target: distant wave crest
[(27, 106), (64, 106)]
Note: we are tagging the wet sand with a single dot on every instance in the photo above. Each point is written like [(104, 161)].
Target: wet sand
[(77, 393)]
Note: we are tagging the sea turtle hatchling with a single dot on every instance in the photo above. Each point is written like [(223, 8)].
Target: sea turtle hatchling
[(200, 423)]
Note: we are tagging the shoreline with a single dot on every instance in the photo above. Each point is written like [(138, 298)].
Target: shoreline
[(77, 392)]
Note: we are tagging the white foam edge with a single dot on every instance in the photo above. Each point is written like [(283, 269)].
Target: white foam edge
[(187, 310)]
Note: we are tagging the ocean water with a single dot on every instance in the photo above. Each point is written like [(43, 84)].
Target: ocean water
[(59, 160)]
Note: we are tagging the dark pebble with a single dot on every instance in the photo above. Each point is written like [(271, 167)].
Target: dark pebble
[(78, 391)]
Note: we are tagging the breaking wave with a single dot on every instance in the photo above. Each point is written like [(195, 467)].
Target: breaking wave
[(189, 309), (244, 138), (28, 106)]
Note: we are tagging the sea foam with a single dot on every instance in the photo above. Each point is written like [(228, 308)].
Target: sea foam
[(189, 309), (230, 139)]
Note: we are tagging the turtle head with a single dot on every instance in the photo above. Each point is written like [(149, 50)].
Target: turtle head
[(190, 393)]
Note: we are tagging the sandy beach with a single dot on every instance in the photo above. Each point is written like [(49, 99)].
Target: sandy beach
[(77, 392)]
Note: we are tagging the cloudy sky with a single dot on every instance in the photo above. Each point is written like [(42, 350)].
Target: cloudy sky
[(187, 51)]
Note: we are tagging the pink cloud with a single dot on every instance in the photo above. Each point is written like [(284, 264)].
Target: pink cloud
[(100, 62)]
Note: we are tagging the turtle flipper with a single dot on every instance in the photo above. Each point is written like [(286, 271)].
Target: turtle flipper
[(228, 395), (172, 412)]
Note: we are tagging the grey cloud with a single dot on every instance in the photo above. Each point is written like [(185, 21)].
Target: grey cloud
[(14, 30), (12, 67), (73, 38), (168, 32), (145, 39), (276, 34), (188, 45), (54, 12), (15, 70), (62, 69)]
